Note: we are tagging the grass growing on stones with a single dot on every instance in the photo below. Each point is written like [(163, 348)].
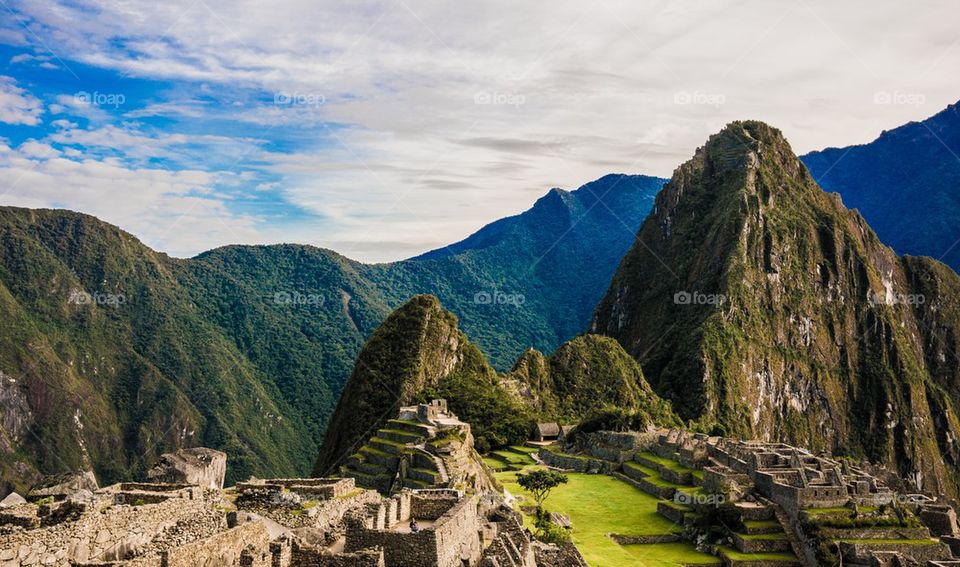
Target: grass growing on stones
[(735, 555), (666, 555), (666, 463), (515, 458)]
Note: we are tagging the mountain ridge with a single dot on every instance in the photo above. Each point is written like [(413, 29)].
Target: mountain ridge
[(905, 183), (290, 318)]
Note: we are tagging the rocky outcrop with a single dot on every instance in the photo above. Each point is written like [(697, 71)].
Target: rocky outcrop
[(63, 485), (761, 307), (11, 500), (199, 465)]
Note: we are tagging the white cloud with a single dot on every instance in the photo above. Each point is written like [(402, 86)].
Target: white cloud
[(439, 117), (17, 106), (169, 210), (38, 150)]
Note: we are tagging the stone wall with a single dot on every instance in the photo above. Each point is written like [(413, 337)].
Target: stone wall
[(942, 520), (117, 532), (457, 535), (454, 534), (223, 548), (431, 506), (319, 558), (576, 463)]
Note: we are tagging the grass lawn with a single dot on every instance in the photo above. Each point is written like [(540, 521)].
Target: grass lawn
[(599, 505), (769, 525)]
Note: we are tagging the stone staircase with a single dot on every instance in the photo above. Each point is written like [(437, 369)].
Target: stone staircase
[(397, 457)]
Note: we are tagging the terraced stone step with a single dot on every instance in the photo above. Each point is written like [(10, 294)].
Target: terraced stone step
[(385, 445), (409, 426), (663, 493), (400, 436), (762, 543), (379, 482), (370, 468), (733, 558), (428, 476), (921, 550), (670, 469), (875, 533), (676, 513), (755, 527), (379, 457), (415, 484)]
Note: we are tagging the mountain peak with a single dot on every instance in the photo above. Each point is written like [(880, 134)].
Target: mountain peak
[(756, 301)]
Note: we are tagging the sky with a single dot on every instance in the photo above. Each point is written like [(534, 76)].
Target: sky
[(382, 129)]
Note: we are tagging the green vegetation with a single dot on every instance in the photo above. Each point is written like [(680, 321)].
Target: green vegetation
[(735, 555), (247, 348), (591, 377), (539, 483), (719, 328), (664, 555), (599, 505)]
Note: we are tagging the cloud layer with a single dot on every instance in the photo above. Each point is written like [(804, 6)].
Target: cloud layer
[(384, 128)]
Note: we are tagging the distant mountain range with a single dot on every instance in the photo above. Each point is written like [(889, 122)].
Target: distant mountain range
[(906, 183), (113, 353)]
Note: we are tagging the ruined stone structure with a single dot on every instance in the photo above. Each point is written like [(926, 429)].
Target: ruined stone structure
[(427, 446), (789, 501), (321, 522)]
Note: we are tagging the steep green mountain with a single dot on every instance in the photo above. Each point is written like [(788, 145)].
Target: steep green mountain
[(418, 352), (758, 303), (906, 183), (106, 362), (584, 376)]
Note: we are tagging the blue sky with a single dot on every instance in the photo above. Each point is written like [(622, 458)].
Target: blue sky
[(382, 129)]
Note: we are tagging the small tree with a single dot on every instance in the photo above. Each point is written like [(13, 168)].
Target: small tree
[(539, 483)]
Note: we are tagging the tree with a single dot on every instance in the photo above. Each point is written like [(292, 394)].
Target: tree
[(539, 483)]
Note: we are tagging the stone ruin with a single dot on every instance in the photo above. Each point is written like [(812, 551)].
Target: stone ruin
[(426, 446), (774, 481), (322, 522)]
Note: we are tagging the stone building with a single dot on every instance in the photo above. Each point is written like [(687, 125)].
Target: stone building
[(546, 432)]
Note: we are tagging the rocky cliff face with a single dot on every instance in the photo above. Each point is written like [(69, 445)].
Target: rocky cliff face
[(757, 302)]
